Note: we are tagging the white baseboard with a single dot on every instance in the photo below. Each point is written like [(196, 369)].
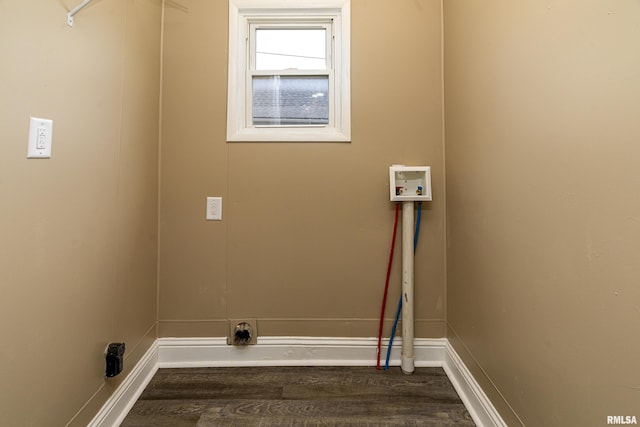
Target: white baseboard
[(289, 351), (475, 400), (293, 351), (122, 400)]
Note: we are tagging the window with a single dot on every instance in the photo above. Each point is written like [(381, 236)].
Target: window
[(288, 71), (289, 74)]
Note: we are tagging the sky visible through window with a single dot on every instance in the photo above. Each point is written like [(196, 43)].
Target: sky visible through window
[(282, 49)]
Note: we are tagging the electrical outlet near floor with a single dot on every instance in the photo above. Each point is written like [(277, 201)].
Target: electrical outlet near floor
[(242, 332)]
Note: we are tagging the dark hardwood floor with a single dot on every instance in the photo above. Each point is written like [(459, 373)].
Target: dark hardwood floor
[(298, 396)]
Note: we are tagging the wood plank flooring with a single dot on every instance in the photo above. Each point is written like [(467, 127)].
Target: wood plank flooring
[(298, 396)]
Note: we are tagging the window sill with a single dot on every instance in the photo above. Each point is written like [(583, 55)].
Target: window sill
[(288, 135)]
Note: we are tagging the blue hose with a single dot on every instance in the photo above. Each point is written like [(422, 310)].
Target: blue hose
[(399, 309), (415, 236)]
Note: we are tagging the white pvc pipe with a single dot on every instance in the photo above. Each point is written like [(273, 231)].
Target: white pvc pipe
[(407, 362)]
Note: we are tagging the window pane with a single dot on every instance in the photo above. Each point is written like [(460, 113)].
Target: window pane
[(282, 49), (290, 100)]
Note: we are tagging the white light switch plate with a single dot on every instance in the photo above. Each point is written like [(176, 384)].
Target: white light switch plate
[(40, 138), (214, 208)]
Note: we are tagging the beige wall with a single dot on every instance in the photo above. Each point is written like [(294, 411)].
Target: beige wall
[(304, 240), (543, 235), (78, 232), (542, 131)]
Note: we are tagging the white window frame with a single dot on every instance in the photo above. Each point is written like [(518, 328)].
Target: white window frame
[(243, 14), (296, 23)]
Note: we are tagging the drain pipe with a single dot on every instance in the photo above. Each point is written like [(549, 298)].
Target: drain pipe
[(407, 362), (408, 184)]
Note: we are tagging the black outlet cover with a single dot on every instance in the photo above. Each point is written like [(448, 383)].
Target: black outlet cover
[(114, 359)]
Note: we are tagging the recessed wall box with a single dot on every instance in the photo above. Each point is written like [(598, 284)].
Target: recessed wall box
[(114, 358), (409, 183), (242, 332)]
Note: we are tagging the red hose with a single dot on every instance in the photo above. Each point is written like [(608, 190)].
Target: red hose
[(386, 286)]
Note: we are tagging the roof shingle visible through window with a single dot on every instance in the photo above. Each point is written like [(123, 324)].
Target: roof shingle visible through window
[(290, 100)]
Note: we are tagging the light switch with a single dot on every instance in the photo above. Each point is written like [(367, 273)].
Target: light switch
[(40, 138), (41, 141), (214, 208)]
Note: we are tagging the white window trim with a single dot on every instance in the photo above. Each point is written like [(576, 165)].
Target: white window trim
[(242, 10)]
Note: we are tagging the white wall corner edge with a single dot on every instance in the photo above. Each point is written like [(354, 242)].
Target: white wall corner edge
[(474, 398), (293, 351), (116, 408)]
